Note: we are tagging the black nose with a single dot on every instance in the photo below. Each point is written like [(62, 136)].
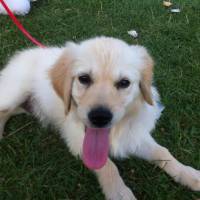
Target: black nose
[(100, 116)]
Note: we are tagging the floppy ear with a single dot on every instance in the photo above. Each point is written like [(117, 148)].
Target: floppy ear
[(146, 79), (61, 78)]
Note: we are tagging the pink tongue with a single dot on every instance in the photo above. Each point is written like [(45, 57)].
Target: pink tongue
[(96, 147)]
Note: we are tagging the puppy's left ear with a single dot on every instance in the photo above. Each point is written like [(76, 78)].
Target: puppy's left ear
[(61, 78), (146, 78)]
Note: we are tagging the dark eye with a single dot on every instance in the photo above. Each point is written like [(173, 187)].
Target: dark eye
[(85, 79), (122, 84)]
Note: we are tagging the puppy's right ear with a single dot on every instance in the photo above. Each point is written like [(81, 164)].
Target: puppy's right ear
[(61, 78), (146, 79)]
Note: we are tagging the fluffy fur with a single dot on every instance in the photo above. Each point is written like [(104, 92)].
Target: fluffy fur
[(49, 78)]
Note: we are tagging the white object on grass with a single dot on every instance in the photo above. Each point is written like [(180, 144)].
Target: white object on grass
[(175, 10), (133, 33), (167, 3), (18, 7)]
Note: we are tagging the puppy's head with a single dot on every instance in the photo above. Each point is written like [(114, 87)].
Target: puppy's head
[(104, 77)]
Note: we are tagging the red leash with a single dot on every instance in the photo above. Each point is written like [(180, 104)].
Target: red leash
[(20, 26)]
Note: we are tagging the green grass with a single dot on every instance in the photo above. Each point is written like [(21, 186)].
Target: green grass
[(35, 163)]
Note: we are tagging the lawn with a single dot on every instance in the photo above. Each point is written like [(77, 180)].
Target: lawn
[(35, 164)]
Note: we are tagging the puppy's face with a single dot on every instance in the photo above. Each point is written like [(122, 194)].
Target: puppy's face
[(107, 76), (102, 95), (103, 77)]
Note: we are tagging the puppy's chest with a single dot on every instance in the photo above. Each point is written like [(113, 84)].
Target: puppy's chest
[(124, 140)]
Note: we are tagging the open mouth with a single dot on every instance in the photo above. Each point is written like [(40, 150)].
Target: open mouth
[(95, 147)]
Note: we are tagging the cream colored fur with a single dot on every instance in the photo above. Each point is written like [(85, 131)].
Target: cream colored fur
[(50, 77)]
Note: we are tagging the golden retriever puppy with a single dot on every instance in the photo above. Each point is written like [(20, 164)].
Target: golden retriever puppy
[(99, 94)]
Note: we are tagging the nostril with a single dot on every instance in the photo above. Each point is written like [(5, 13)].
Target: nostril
[(100, 116)]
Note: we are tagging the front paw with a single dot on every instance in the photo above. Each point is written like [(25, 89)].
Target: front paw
[(190, 177), (121, 193)]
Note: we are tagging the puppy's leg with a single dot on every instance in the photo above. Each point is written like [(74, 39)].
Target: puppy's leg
[(112, 184), (159, 155), (14, 90), (10, 98)]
